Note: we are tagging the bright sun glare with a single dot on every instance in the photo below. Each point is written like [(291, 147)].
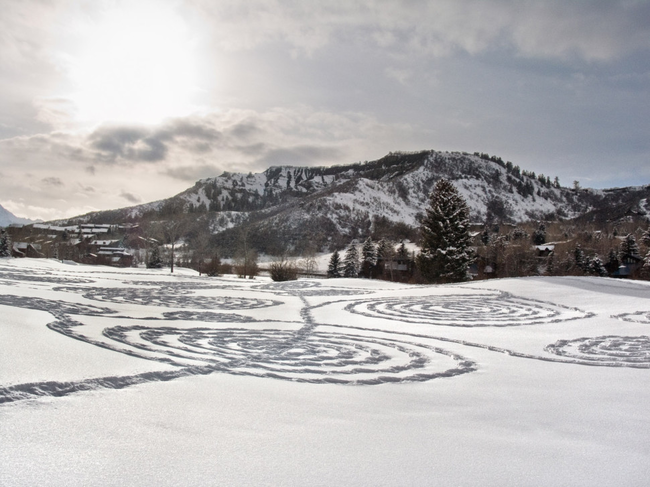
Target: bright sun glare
[(136, 64)]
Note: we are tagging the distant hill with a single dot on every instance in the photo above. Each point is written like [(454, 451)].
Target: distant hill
[(298, 207), (7, 218)]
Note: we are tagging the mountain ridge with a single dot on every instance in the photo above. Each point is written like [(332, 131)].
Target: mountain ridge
[(297, 206), (8, 218)]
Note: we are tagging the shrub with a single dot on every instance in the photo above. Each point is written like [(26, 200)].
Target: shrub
[(283, 270)]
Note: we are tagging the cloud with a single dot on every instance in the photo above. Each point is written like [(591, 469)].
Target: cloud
[(133, 144), (130, 197), (120, 143), (52, 181)]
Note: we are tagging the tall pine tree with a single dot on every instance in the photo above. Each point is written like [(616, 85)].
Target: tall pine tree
[(4, 244), (154, 261), (369, 258), (334, 268), (629, 246), (351, 262), (446, 253)]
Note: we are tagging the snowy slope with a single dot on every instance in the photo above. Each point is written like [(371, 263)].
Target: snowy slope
[(112, 376), (7, 218)]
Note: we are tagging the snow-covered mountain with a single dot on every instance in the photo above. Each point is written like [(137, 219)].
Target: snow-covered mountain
[(7, 218), (301, 206)]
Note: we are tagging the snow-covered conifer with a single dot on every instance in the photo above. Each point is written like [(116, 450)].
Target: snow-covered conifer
[(596, 267), (351, 262), (539, 235), (579, 257), (645, 239), (382, 249), (334, 267), (446, 253), (369, 252), (629, 246), (369, 258), (4, 244), (155, 261), (645, 270)]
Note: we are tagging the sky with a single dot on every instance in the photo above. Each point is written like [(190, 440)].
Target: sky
[(108, 103)]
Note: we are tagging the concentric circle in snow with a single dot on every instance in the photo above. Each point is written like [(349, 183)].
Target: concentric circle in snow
[(177, 299), (316, 358), (465, 310), (611, 350)]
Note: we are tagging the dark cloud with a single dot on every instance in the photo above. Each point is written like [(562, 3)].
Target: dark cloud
[(144, 144), (244, 129), (52, 181), (128, 144), (130, 197), (191, 129)]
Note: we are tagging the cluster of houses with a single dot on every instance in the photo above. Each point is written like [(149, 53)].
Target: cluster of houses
[(86, 243)]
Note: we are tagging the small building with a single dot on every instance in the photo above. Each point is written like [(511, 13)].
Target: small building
[(26, 249), (544, 250), (629, 265), (115, 256)]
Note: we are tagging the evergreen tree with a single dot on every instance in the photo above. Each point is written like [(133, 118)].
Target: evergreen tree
[(629, 246), (351, 262), (446, 253), (369, 258), (645, 239), (382, 250), (596, 267), (613, 262), (539, 235), (485, 236), (645, 270), (579, 257), (334, 267), (4, 244), (155, 261)]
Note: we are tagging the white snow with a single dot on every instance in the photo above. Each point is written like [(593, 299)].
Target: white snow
[(534, 381)]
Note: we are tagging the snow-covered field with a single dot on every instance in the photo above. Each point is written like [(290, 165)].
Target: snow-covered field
[(138, 377)]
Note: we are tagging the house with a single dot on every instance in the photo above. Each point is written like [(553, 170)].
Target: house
[(94, 246), (115, 256), (544, 250), (629, 265), (26, 249), (400, 268)]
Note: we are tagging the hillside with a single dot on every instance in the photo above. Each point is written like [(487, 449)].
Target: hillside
[(7, 218), (298, 207)]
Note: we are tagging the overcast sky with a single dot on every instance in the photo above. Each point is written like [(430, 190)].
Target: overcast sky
[(105, 104)]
